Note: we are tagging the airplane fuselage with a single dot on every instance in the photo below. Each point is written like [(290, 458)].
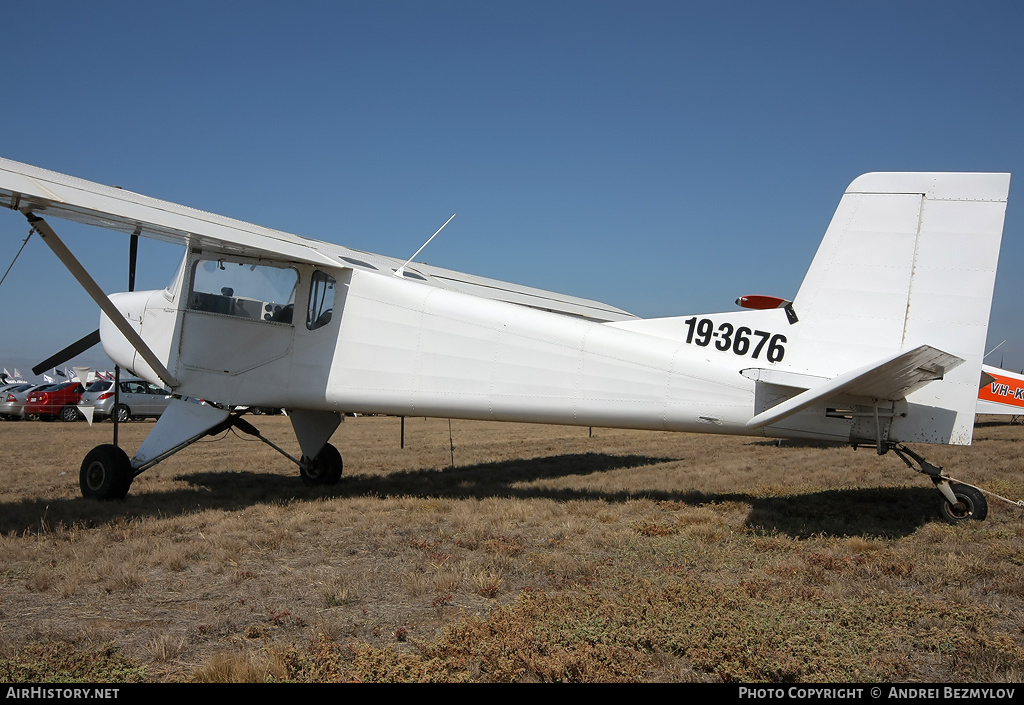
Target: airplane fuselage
[(393, 345)]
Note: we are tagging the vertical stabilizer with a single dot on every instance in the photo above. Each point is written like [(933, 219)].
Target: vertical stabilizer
[(909, 259)]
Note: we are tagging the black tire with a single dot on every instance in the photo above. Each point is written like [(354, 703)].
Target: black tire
[(122, 413), (971, 504), (106, 473), (324, 469), (69, 413)]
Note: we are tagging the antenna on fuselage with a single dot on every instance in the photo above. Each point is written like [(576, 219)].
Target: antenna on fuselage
[(401, 270)]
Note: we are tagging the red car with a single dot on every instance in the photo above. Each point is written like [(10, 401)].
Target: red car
[(56, 400)]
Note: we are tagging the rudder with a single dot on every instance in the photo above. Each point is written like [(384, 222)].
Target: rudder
[(909, 259)]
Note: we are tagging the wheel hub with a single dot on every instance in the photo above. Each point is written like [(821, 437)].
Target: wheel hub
[(960, 509), (94, 475)]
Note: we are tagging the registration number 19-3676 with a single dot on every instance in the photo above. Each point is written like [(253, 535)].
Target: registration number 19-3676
[(741, 341)]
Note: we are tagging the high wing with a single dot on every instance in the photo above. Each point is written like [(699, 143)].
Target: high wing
[(32, 189), (29, 188)]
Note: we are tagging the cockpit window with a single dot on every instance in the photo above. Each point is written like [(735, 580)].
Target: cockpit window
[(322, 289), (357, 262), (243, 289)]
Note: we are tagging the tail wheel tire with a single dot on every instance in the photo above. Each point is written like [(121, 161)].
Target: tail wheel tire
[(324, 469), (106, 473), (970, 504)]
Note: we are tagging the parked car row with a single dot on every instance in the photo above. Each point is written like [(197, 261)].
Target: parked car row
[(138, 399), (12, 399)]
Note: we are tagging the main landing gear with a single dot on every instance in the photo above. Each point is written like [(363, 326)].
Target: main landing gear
[(960, 502), (107, 472), (324, 469)]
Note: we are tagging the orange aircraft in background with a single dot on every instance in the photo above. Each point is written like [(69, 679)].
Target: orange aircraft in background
[(1002, 392)]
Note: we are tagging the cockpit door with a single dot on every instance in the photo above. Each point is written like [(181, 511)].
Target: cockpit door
[(238, 315)]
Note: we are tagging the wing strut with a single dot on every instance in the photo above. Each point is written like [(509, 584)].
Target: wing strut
[(96, 293)]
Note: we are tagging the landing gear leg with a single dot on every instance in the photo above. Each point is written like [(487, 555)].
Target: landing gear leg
[(960, 502), (107, 472)]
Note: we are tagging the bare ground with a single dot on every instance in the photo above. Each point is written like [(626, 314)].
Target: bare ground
[(700, 558)]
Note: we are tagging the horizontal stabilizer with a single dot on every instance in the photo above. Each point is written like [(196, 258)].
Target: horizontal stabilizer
[(890, 379)]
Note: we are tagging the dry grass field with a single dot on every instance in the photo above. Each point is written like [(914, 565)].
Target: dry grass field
[(545, 554)]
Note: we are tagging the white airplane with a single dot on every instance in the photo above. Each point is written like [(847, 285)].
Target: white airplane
[(1001, 393), (881, 346)]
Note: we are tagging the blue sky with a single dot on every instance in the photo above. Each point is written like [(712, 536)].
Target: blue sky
[(664, 157)]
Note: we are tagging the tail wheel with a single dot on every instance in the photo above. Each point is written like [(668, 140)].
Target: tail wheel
[(970, 504), (106, 473), (324, 469)]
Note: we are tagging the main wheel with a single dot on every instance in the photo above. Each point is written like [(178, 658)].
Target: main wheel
[(69, 413), (106, 473), (970, 504), (324, 469)]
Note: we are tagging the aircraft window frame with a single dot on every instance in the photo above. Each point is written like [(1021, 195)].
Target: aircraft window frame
[(174, 286), (323, 291), (264, 290)]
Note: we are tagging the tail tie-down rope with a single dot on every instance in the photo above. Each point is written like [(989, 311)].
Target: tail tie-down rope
[(1014, 502)]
